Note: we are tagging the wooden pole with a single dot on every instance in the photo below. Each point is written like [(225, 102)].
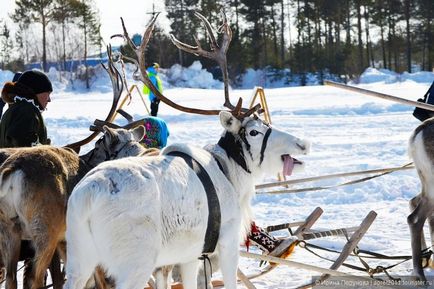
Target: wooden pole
[(245, 280), (311, 179), (307, 267), (380, 95)]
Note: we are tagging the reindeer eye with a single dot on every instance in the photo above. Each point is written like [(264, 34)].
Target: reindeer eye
[(253, 132)]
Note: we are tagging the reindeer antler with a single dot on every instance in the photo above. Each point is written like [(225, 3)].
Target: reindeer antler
[(140, 62), (217, 53), (118, 86), (99, 124)]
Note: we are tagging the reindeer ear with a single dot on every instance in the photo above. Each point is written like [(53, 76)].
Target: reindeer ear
[(109, 134), (138, 132), (229, 122)]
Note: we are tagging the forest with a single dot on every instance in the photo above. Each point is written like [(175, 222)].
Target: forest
[(338, 37)]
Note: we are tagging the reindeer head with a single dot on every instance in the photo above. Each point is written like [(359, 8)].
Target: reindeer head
[(253, 144), (259, 148), (116, 143)]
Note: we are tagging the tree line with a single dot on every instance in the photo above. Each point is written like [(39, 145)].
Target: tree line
[(68, 30), (341, 37)]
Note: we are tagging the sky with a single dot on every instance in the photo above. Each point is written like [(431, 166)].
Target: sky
[(134, 13)]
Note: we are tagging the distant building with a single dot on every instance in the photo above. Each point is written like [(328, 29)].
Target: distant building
[(72, 64)]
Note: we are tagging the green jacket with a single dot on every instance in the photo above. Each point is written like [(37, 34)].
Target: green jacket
[(156, 81), (22, 125)]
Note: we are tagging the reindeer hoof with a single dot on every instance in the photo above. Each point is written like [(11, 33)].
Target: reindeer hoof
[(419, 276)]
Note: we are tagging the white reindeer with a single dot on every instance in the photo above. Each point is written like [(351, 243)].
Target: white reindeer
[(133, 215), (141, 213), (421, 149)]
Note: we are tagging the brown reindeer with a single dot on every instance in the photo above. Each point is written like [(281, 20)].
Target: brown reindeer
[(35, 184)]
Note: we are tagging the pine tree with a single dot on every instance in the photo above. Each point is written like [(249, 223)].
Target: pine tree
[(183, 26), (5, 45), (40, 11), (88, 22), (62, 14)]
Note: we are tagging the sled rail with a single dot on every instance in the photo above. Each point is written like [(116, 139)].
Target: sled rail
[(380, 95)]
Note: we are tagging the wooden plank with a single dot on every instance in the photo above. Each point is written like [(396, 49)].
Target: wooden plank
[(349, 246), (381, 95), (354, 239), (310, 220), (299, 265), (245, 280), (306, 225)]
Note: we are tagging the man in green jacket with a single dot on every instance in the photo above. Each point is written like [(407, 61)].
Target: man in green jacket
[(22, 124), (156, 81)]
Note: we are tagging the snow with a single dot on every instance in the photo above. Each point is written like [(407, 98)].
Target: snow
[(349, 132)]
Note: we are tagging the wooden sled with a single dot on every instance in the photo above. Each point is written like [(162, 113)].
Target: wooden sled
[(302, 232)]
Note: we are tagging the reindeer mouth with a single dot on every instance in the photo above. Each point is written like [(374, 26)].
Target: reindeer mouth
[(288, 164)]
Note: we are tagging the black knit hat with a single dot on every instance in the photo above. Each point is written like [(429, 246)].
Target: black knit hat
[(17, 76), (35, 80)]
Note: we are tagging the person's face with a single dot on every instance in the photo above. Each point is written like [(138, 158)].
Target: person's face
[(43, 99)]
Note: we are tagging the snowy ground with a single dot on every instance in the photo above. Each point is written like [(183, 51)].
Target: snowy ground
[(349, 132)]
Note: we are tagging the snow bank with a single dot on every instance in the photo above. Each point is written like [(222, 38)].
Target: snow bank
[(194, 77), (373, 75)]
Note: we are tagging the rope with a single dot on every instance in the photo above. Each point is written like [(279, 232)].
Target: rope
[(205, 258), (318, 188), (426, 254)]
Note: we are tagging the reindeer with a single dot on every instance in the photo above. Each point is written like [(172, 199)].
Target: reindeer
[(133, 215), (421, 149), (35, 184)]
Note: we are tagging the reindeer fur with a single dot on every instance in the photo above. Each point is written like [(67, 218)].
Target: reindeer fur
[(136, 214)]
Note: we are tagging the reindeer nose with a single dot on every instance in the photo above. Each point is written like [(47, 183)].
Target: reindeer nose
[(304, 146)]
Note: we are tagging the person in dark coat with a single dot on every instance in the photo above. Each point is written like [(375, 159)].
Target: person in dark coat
[(2, 103), (22, 124), (421, 113)]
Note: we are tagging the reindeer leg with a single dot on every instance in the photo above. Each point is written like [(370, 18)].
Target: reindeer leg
[(43, 256), (189, 274), (416, 221), (228, 257), (56, 272), (413, 204), (13, 255), (431, 229), (126, 278), (99, 276), (163, 276), (10, 244), (205, 268)]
